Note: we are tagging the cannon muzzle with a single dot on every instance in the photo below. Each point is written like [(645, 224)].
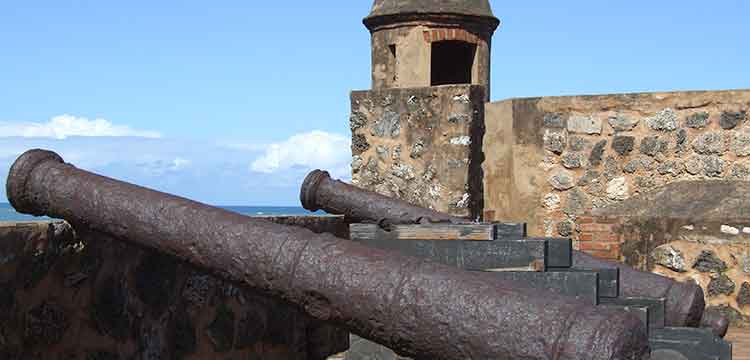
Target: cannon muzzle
[(684, 301), (319, 191), (420, 309)]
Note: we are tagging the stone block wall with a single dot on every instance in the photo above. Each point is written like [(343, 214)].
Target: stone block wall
[(76, 294), (714, 254), (423, 145), (690, 231), (657, 180), (551, 160)]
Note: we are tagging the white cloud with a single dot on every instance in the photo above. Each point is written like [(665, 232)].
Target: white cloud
[(64, 126), (316, 149)]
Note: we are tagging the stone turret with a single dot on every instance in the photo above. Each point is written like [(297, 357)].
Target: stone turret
[(418, 43)]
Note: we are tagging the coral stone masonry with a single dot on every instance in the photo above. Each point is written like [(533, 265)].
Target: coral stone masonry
[(424, 134)]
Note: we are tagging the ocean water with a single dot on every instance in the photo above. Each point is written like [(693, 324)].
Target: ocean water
[(7, 213)]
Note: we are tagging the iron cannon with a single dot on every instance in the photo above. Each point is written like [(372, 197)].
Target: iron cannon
[(684, 301), (421, 309)]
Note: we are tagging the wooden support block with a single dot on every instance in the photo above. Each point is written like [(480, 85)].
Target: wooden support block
[(527, 255), (688, 344), (655, 308), (559, 251), (609, 280), (472, 232), (580, 285)]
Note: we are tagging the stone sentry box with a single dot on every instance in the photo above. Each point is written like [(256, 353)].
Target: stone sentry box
[(75, 294), (422, 145)]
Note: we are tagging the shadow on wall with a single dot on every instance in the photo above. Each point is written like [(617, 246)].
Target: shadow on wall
[(692, 231)]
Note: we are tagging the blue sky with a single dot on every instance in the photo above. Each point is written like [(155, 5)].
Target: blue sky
[(233, 102)]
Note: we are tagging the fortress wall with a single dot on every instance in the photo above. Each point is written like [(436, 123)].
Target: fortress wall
[(648, 179), (422, 145), (75, 294), (551, 159)]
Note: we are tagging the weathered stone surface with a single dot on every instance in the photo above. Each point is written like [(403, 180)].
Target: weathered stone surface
[(221, 330), (551, 201), (359, 144), (623, 145), (611, 168), (458, 118), (417, 149), (670, 258), (697, 121), (740, 172), (632, 166), (565, 228), (618, 189), (555, 121), (721, 285), (681, 140), (155, 280), (743, 297), (388, 125), (653, 145), (357, 120), (731, 230), (577, 203), (199, 290), (648, 182), (595, 159), (572, 160), (672, 167), (708, 262), (45, 324), (109, 309), (730, 119), (562, 180), (428, 138), (709, 143), (741, 143), (588, 177), (621, 122), (382, 152), (577, 143), (713, 166), (555, 141), (584, 125), (665, 120), (694, 165)]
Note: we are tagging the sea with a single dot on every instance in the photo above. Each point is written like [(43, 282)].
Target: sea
[(7, 213)]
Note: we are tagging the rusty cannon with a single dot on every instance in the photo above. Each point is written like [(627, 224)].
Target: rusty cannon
[(421, 309), (684, 301)]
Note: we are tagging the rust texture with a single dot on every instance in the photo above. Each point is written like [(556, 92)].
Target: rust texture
[(420, 309), (685, 301), (319, 191)]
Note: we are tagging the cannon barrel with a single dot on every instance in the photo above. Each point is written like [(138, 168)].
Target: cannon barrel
[(684, 301), (418, 308), (319, 191)]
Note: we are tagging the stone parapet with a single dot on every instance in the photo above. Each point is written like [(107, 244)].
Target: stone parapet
[(76, 294)]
